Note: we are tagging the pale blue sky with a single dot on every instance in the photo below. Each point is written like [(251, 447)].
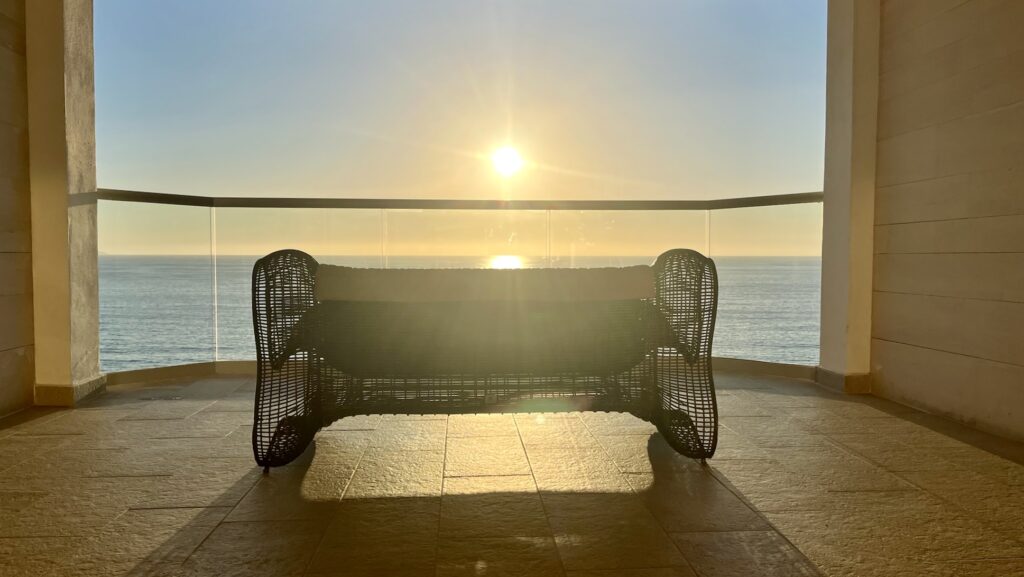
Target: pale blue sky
[(606, 99)]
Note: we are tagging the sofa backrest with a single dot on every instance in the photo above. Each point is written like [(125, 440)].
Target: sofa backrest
[(341, 283)]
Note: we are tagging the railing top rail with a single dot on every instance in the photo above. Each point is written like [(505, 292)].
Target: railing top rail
[(453, 204)]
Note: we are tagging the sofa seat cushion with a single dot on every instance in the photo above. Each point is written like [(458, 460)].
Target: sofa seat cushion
[(417, 339)]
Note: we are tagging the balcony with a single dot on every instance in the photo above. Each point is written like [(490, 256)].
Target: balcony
[(867, 354)]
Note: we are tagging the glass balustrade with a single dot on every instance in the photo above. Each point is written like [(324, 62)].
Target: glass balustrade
[(769, 272), (175, 281), (156, 285)]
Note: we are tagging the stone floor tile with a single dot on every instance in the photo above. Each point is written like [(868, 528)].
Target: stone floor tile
[(539, 430), (256, 549), (232, 405), (730, 405), (997, 504), (201, 483), (360, 423), (195, 427), (35, 556), (497, 514), (987, 567), (380, 535), (489, 425), (742, 554), (619, 548), (498, 556), (986, 464), (15, 449), (68, 507), (732, 445), (892, 454), (393, 417), (647, 572), (16, 423), (341, 445), (149, 537), (693, 501), (215, 387), (75, 422), (294, 495), (410, 435), (570, 513), (917, 527), (754, 428), (644, 453), (389, 473), (482, 485), (99, 463), (576, 469), (13, 501), (616, 424), (474, 456), (404, 572), (384, 519), (499, 506), (176, 409)]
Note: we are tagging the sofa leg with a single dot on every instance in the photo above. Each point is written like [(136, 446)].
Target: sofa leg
[(266, 470)]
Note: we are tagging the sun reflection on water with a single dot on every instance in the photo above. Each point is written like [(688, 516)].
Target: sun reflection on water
[(505, 261)]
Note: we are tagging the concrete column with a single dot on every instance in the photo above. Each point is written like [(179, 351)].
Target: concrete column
[(62, 179), (851, 112)]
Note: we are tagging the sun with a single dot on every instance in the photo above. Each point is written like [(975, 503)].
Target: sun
[(506, 261), (506, 161)]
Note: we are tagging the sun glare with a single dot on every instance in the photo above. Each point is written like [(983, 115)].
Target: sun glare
[(506, 261), (506, 161)]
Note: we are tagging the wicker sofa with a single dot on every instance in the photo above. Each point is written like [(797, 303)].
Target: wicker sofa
[(484, 341)]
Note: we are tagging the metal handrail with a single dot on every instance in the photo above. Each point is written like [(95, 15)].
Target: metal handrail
[(453, 204)]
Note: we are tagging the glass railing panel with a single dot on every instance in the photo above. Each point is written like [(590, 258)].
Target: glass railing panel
[(594, 238), (466, 238), (351, 237), (175, 281), (769, 269), (155, 285)]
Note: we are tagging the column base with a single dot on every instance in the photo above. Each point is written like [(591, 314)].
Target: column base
[(854, 384), (68, 395)]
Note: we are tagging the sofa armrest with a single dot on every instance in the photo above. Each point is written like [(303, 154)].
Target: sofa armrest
[(286, 409), (282, 292), (686, 294)]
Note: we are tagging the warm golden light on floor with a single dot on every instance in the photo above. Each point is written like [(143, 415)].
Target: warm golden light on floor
[(506, 161), (506, 261)]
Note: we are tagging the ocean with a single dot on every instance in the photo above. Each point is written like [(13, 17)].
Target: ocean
[(160, 310)]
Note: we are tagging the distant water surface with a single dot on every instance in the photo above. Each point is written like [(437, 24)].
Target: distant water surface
[(160, 310)]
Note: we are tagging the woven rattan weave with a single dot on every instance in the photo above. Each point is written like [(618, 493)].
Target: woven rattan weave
[(319, 362)]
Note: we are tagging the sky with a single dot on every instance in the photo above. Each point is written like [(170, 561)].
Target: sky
[(640, 99)]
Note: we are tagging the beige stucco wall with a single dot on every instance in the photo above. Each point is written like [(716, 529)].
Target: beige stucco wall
[(948, 301), (16, 331)]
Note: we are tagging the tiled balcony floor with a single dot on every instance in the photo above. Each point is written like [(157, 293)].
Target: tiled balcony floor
[(160, 481)]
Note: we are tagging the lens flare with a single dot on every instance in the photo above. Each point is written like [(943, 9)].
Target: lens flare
[(506, 161)]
